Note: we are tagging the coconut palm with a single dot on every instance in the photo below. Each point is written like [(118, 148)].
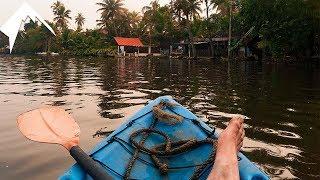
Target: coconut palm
[(149, 13), (190, 9), (135, 16), (62, 15), (223, 6), (55, 7), (79, 21), (109, 10), (207, 3), (194, 7), (134, 19), (212, 4), (177, 9), (154, 6)]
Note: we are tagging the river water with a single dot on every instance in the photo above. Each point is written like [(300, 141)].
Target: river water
[(280, 100)]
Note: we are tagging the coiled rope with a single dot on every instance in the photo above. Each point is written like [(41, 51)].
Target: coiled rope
[(168, 148)]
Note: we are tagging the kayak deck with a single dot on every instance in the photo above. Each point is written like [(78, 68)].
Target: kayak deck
[(115, 151)]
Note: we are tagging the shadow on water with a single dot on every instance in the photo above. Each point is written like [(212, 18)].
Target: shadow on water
[(281, 102)]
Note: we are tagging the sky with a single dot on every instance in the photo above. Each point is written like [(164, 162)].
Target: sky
[(87, 7)]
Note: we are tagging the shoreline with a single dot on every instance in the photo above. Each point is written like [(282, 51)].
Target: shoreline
[(268, 60)]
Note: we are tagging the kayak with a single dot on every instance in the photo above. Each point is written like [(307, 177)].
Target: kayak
[(115, 152)]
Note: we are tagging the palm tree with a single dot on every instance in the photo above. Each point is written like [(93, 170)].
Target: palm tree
[(223, 6), (194, 7), (154, 6), (149, 13), (109, 10), (79, 21), (134, 19), (55, 7), (62, 15), (177, 9), (213, 4), (208, 3), (190, 9)]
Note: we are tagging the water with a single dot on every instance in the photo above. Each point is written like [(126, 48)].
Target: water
[(281, 103)]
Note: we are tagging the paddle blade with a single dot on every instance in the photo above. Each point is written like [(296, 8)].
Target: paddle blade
[(50, 125)]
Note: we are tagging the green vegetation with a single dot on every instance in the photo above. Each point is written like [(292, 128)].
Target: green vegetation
[(79, 21), (285, 27), (281, 27)]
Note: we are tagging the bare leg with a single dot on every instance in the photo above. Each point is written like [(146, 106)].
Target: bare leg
[(229, 143)]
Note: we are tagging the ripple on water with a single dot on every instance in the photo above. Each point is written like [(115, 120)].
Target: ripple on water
[(282, 126), (280, 133), (134, 101), (125, 93), (138, 82), (218, 114)]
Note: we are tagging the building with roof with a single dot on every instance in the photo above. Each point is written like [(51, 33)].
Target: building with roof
[(128, 46), (205, 47)]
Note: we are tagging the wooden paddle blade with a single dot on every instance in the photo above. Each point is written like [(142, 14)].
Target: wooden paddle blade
[(50, 125)]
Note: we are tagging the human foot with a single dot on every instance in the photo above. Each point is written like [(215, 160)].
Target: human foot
[(229, 143), (232, 137)]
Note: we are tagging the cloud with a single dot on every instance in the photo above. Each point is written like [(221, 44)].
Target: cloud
[(11, 27)]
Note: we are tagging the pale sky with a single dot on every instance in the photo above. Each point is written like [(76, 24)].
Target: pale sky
[(87, 7)]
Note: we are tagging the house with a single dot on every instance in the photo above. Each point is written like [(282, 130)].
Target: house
[(128, 46), (202, 46)]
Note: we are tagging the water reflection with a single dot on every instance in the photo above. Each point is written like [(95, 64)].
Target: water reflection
[(281, 103)]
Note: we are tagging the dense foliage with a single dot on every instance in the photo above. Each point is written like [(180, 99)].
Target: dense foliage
[(280, 27), (285, 27)]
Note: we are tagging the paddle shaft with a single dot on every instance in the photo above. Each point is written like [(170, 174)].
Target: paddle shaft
[(93, 168)]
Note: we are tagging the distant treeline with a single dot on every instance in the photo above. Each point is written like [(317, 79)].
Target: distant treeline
[(281, 27)]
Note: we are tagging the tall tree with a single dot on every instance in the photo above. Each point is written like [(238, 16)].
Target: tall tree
[(223, 6), (55, 7), (79, 21), (110, 11), (149, 18), (62, 15), (279, 25), (194, 7), (134, 20), (154, 6), (208, 4), (191, 9), (177, 9)]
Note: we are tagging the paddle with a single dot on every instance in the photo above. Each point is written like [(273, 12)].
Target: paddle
[(55, 126)]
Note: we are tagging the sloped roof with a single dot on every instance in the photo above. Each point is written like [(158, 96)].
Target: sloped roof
[(134, 42)]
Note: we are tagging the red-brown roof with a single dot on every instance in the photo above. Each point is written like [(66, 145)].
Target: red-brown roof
[(135, 42)]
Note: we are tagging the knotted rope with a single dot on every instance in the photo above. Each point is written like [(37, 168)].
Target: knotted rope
[(168, 148)]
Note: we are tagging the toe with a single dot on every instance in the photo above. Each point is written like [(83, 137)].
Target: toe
[(237, 120), (243, 134), (239, 146), (240, 139), (234, 122), (240, 134)]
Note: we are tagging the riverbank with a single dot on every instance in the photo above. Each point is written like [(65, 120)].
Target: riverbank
[(111, 53)]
